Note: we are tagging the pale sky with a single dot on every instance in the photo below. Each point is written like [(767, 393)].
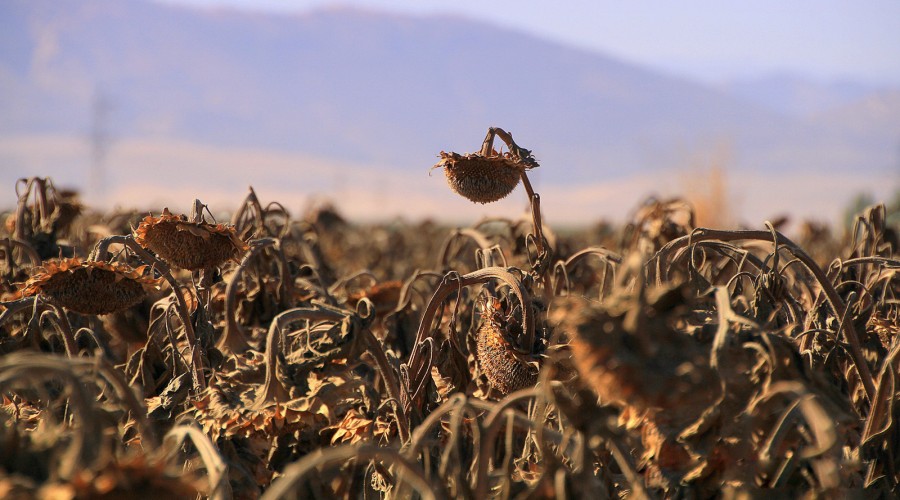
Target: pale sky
[(710, 40)]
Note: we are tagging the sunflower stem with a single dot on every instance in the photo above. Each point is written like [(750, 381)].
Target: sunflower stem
[(273, 390), (392, 384), (524, 156), (9, 245), (831, 296), (101, 250)]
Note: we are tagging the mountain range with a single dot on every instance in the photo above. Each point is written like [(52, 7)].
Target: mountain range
[(344, 101)]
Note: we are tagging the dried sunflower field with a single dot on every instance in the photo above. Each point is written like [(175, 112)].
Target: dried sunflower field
[(176, 356)]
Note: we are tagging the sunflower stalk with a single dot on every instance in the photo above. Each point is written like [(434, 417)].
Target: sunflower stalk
[(534, 200), (831, 295), (101, 253)]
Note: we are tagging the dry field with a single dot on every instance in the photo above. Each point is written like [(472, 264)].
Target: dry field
[(176, 356)]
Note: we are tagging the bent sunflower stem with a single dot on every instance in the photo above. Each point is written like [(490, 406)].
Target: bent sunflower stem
[(831, 296), (100, 253)]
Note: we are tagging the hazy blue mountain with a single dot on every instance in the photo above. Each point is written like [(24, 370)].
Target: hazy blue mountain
[(875, 116), (798, 96), (375, 88)]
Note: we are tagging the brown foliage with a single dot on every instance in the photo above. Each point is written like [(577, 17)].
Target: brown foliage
[(328, 359)]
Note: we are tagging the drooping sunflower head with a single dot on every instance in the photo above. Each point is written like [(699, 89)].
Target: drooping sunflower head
[(89, 287), (480, 178), (506, 369), (188, 245)]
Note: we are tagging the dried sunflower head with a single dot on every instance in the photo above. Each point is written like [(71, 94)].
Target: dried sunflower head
[(188, 245), (482, 178), (89, 287), (631, 354), (132, 477), (506, 369)]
